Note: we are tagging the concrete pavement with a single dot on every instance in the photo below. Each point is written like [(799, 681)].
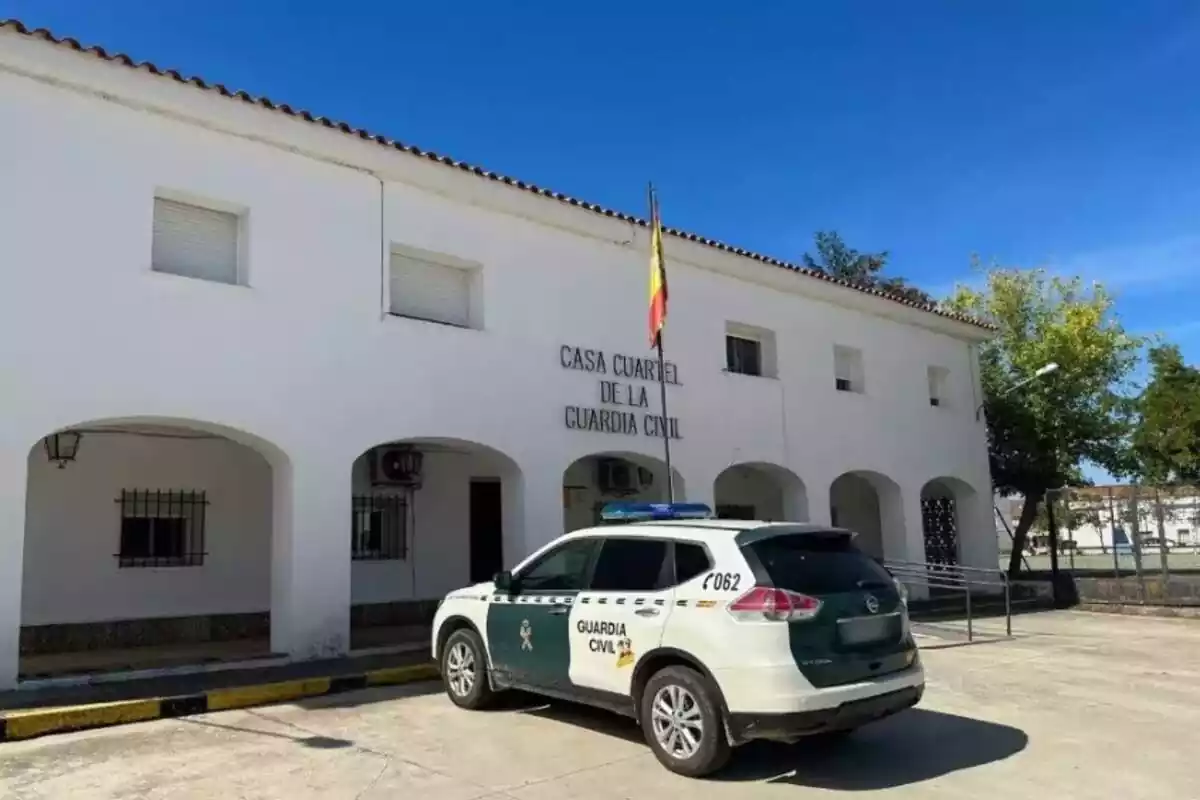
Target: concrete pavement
[(1077, 706)]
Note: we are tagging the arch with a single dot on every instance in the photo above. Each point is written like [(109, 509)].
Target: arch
[(153, 518), (948, 504), (459, 521), (148, 424), (592, 480), (870, 504), (761, 490)]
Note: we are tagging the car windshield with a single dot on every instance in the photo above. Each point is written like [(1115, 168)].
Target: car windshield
[(818, 564)]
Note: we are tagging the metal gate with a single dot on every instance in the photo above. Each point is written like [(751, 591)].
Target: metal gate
[(939, 519)]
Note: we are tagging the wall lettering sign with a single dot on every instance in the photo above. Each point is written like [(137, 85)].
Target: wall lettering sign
[(624, 393)]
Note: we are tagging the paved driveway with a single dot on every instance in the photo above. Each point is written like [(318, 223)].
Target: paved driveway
[(1078, 706)]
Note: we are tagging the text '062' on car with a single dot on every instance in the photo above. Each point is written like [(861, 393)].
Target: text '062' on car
[(709, 633)]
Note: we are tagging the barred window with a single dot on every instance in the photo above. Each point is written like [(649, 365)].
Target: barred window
[(378, 528), (162, 528)]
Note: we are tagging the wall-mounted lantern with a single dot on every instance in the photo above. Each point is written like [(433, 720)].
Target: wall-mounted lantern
[(62, 447)]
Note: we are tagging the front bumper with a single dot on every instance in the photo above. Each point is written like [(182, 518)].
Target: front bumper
[(746, 726)]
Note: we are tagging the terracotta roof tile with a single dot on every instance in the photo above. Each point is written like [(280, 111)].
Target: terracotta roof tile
[(265, 102)]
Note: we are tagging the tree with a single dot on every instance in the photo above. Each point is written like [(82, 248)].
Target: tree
[(1166, 440), (1040, 434), (838, 260)]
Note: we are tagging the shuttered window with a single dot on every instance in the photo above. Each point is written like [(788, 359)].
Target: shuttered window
[(848, 369), (194, 242), (428, 290)]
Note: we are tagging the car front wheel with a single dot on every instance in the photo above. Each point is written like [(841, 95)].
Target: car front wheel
[(464, 670), (682, 722)]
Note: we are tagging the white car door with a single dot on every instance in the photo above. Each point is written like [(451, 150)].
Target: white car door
[(621, 614)]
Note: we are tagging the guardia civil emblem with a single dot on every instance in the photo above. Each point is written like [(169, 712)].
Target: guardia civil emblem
[(526, 635), (624, 652)]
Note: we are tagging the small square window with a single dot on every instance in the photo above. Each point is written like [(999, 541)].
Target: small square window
[(743, 356), (749, 350), (195, 242), (848, 369), (161, 528), (378, 528), (434, 288)]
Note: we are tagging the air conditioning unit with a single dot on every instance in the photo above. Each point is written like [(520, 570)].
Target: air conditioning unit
[(396, 466), (616, 476)]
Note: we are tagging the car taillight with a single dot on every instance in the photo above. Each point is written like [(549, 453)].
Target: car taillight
[(775, 605)]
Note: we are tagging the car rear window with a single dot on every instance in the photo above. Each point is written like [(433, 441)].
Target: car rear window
[(818, 564)]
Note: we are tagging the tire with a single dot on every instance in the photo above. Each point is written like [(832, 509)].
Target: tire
[(684, 689), (464, 670)]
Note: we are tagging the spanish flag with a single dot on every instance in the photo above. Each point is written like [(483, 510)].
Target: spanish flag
[(658, 276)]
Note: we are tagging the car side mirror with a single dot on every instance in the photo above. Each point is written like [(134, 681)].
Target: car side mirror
[(505, 582)]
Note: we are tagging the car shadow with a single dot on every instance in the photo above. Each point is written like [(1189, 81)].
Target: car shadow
[(914, 746)]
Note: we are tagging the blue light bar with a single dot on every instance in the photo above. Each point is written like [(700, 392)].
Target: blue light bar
[(640, 512)]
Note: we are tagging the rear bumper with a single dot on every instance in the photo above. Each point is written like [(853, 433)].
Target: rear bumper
[(782, 688), (746, 726)]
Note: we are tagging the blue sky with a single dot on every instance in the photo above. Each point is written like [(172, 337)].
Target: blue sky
[(1063, 134)]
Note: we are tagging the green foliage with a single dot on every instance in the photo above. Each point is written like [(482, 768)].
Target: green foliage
[(1040, 433), (1166, 442), (835, 258)]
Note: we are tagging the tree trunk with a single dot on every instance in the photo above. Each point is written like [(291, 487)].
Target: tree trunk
[(1024, 523)]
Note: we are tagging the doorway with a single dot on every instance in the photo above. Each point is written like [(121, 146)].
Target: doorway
[(487, 530)]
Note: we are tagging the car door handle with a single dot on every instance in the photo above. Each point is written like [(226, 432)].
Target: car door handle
[(559, 611), (647, 612)]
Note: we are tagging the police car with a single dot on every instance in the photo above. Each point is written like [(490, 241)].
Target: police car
[(708, 632)]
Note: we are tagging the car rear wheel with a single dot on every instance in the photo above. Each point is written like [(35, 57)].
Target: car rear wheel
[(464, 670), (682, 722)]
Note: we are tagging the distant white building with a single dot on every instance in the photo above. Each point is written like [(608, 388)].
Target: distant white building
[(1102, 515), (270, 376)]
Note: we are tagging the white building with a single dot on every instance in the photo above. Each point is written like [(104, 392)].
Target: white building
[(1101, 515), (246, 313)]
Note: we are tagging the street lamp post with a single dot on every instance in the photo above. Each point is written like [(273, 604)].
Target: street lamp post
[(1039, 373)]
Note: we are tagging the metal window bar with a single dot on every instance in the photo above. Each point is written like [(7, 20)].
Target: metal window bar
[(162, 528), (379, 528)]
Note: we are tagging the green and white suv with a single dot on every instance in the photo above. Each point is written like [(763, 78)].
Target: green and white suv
[(708, 632)]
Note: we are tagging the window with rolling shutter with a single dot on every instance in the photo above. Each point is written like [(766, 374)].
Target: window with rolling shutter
[(848, 369), (195, 242), (428, 290)]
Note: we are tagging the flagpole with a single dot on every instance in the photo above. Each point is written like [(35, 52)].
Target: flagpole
[(658, 344), (662, 385)]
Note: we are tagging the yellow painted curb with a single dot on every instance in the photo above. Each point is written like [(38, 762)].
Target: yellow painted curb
[(398, 675), (245, 696), (34, 722), (40, 721)]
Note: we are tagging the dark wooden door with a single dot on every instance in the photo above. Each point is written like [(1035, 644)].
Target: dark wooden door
[(487, 530)]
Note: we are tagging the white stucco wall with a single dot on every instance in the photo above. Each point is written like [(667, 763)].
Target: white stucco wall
[(304, 365)]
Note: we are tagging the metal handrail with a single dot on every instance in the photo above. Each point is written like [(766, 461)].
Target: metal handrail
[(954, 576), (958, 567)]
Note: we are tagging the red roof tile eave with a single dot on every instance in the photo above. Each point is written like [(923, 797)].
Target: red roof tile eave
[(264, 102)]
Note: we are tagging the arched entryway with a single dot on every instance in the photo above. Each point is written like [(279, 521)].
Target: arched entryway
[(945, 504), (591, 482), (148, 542), (757, 490), (869, 503), (428, 515)]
